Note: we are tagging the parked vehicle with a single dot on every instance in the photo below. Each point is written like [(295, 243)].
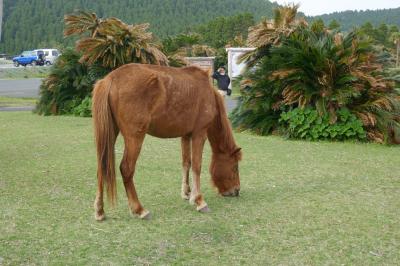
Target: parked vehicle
[(33, 58), (51, 55)]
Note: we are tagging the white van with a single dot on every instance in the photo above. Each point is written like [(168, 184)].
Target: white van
[(51, 55)]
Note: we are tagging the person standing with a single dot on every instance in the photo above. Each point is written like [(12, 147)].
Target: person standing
[(223, 81)]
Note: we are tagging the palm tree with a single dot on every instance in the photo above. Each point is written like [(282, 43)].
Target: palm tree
[(325, 71), (81, 22), (112, 43), (269, 32), (185, 45)]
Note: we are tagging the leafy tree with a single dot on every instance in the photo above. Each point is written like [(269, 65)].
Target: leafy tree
[(334, 25), (173, 44), (352, 19), (185, 45), (382, 39), (219, 32)]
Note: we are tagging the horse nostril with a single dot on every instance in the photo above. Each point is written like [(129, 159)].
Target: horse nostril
[(237, 192)]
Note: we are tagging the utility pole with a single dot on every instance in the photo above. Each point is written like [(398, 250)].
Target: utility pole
[(398, 52), (1, 17), (395, 37)]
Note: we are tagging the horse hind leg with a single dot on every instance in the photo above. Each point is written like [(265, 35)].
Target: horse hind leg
[(133, 145), (186, 163)]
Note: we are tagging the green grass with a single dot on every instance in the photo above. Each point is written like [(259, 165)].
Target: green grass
[(301, 203), (16, 102), (5, 62), (24, 72)]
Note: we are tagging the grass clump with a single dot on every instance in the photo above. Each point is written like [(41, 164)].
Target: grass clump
[(24, 72)]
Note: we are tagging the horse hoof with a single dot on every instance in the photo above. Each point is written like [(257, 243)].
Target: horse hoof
[(185, 197), (146, 215), (192, 201), (99, 217), (204, 209)]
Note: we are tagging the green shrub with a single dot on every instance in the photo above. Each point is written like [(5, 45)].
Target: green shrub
[(69, 83), (84, 108), (325, 71), (308, 124)]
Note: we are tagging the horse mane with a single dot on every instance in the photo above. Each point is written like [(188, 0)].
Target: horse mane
[(220, 132)]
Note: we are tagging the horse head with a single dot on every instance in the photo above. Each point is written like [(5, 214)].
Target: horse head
[(224, 170)]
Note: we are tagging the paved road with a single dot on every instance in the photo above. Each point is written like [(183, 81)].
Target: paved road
[(21, 88), (29, 88), (7, 66)]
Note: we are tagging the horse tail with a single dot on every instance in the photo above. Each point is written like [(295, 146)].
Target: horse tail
[(106, 132)]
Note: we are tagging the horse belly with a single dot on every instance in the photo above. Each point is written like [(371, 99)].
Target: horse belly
[(167, 126)]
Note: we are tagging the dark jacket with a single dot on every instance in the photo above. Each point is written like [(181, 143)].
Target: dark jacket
[(222, 80)]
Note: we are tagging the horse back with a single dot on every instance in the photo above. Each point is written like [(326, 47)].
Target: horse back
[(172, 102)]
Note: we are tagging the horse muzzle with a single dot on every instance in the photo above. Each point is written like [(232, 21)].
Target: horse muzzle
[(232, 193)]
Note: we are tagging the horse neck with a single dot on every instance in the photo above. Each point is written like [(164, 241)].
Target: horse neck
[(220, 132)]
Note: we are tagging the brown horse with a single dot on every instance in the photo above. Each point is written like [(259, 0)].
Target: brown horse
[(164, 102)]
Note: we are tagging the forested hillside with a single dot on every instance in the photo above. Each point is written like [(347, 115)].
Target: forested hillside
[(350, 19), (29, 24)]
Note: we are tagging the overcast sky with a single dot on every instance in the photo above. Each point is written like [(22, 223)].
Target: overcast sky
[(319, 7)]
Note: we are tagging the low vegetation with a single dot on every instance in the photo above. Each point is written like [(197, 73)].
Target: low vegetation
[(16, 102), (67, 85), (301, 202), (103, 45), (24, 72), (297, 65)]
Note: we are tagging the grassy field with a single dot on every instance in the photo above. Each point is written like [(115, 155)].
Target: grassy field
[(16, 102), (24, 72), (301, 203)]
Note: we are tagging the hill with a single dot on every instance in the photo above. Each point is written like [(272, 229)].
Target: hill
[(350, 19), (29, 24)]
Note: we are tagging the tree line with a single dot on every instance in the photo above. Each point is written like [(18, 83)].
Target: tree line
[(350, 19), (33, 24)]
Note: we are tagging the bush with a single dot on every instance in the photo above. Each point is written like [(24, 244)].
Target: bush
[(308, 124), (324, 71), (112, 43), (84, 108), (69, 83)]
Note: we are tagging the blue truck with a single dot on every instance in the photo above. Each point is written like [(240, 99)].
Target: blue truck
[(30, 58)]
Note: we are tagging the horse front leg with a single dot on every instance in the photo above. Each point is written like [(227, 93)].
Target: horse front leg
[(197, 152), (186, 163)]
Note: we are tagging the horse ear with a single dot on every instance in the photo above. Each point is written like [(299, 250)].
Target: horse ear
[(237, 153)]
